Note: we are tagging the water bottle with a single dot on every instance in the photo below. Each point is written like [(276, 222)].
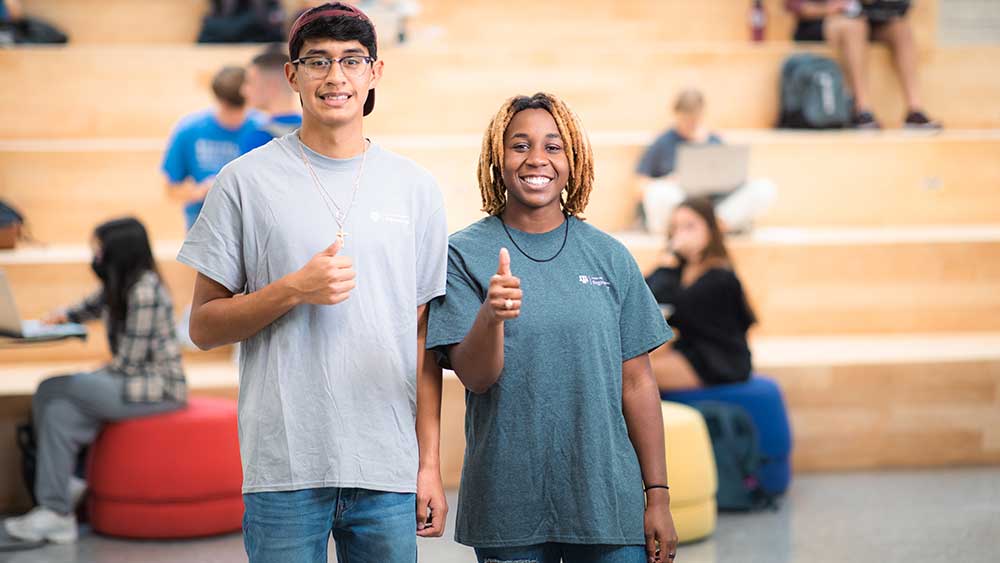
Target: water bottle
[(758, 21)]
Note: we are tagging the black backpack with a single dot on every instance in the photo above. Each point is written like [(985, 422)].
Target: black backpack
[(12, 226), (25, 433), (243, 21), (30, 30), (9, 215), (737, 456), (812, 94)]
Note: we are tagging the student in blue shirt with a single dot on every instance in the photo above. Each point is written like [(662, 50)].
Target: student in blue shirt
[(266, 90), (204, 142)]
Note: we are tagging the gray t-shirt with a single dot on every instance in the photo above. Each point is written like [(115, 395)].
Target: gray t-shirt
[(327, 393), (660, 158), (548, 456)]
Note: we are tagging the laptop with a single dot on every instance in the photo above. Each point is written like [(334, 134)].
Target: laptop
[(705, 170), (12, 326)]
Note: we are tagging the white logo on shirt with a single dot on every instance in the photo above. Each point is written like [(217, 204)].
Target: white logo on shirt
[(594, 280), (378, 217), (213, 155)]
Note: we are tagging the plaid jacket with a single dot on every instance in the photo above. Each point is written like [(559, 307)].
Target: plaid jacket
[(148, 355)]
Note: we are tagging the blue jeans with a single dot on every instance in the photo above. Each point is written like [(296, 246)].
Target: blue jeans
[(295, 526), (568, 553)]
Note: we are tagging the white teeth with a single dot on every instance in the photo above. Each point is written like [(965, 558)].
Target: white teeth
[(537, 180), (338, 97)]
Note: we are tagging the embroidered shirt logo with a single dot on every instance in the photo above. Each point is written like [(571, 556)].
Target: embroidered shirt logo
[(377, 217), (594, 280)]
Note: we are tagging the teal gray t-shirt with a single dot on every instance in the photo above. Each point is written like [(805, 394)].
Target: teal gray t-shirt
[(327, 393), (548, 456)]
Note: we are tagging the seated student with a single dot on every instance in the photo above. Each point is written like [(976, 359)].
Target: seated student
[(266, 89), (709, 310), (847, 26), (144, 377), (661, 193), (243, 21), (202, 143)]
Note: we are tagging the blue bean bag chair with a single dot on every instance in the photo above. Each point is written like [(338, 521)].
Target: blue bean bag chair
[(761, 397)]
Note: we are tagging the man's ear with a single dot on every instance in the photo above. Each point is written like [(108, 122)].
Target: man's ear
[(377, 68), (292, 75)]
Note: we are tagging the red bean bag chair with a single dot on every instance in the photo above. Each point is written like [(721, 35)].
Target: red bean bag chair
[(175, 475)]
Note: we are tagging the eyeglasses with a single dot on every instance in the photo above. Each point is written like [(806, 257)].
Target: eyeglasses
[(319, 67)]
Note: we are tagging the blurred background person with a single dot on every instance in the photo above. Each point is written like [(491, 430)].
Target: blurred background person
[(144, 377), (847, 26), (203, 142), (697, 287), (266, 90), (200, 145), (243, 21), (661, 193)]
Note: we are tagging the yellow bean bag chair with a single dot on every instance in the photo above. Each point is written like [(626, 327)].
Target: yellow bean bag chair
[(691, 471)]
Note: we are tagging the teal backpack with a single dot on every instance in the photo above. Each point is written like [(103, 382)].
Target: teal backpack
[(737, 456), (812, 94)]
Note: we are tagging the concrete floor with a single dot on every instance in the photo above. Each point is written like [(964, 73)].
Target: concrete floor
[(886, 517)]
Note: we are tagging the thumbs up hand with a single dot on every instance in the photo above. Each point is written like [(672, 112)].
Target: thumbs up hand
[(503, 300), (327, 279)]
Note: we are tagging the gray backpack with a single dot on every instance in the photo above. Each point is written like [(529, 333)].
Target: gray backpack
[(812, 94)]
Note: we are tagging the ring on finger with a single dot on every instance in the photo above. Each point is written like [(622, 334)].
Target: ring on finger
[(508, 304)]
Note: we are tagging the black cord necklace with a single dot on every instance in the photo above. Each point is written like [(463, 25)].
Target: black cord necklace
[(530, 257)]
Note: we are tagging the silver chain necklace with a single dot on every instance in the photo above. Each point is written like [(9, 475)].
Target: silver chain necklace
[(340, 215)]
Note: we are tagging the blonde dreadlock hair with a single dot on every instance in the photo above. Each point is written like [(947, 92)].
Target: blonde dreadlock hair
[(581, 159)]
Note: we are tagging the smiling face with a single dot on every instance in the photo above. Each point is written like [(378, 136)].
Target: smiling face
[(336, 98), (535, 165)]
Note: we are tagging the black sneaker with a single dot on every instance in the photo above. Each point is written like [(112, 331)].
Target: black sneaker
[(918, 120), (865, 120)]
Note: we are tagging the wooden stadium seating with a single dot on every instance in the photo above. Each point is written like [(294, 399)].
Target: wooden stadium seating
[(437, 90), (824, 179), (123, 21), (800, 281), (178, 21)]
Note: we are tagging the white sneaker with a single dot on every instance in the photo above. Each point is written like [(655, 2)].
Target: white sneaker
[(43, 524)]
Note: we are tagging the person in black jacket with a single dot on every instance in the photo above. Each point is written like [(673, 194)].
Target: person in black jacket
[(697, 286)]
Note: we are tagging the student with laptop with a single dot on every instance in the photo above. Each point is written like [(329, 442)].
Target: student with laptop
[(688, 160), (144, 377)]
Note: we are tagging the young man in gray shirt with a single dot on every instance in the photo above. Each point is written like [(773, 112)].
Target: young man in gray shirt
[(319, 252)]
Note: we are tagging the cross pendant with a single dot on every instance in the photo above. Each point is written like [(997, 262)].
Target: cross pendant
[(342, 236)]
